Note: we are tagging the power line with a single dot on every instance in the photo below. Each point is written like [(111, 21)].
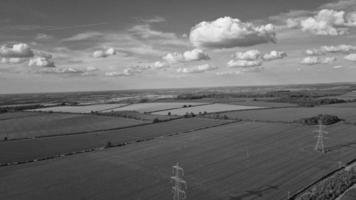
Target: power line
[(179, 185), (320, 138)]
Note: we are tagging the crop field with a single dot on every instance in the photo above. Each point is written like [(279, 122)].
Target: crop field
[(23, 150), (348, 96), (292, 114), (211, 108), (239, 161), (80, 109), (28, 125), (156, 106), (17, 115)]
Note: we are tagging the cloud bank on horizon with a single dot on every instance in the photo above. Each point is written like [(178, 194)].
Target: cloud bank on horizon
[(280, 44)]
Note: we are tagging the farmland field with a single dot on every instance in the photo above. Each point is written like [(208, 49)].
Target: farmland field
[(292, 114), (211, 108), (156, 106), (23, 150), (32, 124), (239, 161), (80, 109)]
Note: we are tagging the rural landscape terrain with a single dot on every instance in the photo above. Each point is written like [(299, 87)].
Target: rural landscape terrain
[(294, 142)]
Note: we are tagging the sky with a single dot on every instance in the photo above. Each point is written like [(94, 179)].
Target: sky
[(87, 45)]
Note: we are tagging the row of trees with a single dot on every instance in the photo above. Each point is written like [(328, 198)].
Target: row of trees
[(332, 187)]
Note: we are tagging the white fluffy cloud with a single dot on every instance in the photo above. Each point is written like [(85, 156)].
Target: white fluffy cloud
[(314, 60), (197, 69), (339, 48), (187, 56), (12, 60), (244, 63), (160, 65), (173, 58), (314, 52), (248, 55), (19, 50), (104, 53), (351, 57), (227, 32), (195, 55), (274, 55), (325, 22), (41, 62)]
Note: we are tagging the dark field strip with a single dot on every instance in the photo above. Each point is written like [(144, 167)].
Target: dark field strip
[(17, 115), (47, 147), (291, 114), (239, 161), (49, 124)]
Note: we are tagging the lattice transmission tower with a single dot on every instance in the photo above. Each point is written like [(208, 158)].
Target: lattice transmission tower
[(320, 138), (179, 185)]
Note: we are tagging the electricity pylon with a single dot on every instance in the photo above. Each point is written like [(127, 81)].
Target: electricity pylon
[(320, 138), (180, 185)]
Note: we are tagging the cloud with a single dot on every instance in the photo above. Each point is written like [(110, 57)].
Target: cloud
[(129, 71), (338, 67), (226, 73), (174, 58), (104, 53), (339, 48), (156, 19), (248, 55), (18, 50), (195, 55), (325, 22), (12, 60), (314, 52), (274, 55), (41, 62), (144, 32), (68, 71), (351, 57), (244, 63), (197, 69), (314, 60), (160, 65), (84, 36), (227, 32), (42, 36), (187, 56)]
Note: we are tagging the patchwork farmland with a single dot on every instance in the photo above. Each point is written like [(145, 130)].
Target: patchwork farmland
[(242, 160), (230, 149), (211, 108)]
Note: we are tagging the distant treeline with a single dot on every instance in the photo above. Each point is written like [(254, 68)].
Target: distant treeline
[(5, 109)]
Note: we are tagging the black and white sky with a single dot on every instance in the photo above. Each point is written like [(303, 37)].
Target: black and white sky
[(70, 45)]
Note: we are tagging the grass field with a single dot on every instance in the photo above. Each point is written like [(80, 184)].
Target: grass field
[(240, 161), (350, 194), (155, 106), (81, 109), (28, 125), (292, 114), (23, 150), (211, 108)]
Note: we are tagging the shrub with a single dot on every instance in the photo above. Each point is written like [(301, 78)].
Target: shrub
[(108, 145), (156, 120), (325, 119)]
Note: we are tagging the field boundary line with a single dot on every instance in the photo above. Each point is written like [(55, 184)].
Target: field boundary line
[(179, 108), (112, 146)]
